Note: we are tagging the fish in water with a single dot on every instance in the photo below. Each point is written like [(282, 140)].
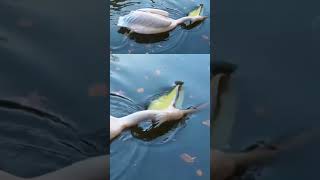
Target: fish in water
[(153, 21), (164, 109)]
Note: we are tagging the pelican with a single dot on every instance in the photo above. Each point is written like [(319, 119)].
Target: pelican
[(153, 21), (158, 112)]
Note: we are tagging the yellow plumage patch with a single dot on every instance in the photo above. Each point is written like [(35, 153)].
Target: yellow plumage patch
[(197, 11), (164, 101)]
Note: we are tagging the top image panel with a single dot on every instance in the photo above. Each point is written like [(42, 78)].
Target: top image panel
[(160, 26)]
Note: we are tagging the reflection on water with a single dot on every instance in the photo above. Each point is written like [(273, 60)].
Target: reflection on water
[(179, 40), (146, 155), (144, 38)]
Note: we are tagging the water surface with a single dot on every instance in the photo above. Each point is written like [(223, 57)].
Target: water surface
[(179, 40), (52, 62), (276, 78), (133, 158)]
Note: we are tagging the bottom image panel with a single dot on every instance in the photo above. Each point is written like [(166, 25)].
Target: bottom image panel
[(160, 117)]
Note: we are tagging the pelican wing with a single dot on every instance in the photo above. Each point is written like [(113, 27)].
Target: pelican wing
[(155, 11), (143, 19)]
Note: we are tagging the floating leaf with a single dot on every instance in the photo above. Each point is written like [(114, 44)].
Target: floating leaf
[(140, 90), (205, 37), (157, 72), (187, 158), (97, 90), (199, 172), (206, 123), (120, 92)]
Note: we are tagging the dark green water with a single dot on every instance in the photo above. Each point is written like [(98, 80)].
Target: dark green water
[(133, 158), (275, 83), (180, 40), (49, 61)]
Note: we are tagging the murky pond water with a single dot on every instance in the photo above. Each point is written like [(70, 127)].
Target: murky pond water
[(160, 158), (180, 40), (50, 73), (275, 81)]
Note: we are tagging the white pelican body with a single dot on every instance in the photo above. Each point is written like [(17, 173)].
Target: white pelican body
[(159, 116), (152, 21), (117, 125)]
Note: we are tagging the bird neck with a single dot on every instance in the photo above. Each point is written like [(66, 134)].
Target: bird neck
[(184, 19), (137, 117)]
